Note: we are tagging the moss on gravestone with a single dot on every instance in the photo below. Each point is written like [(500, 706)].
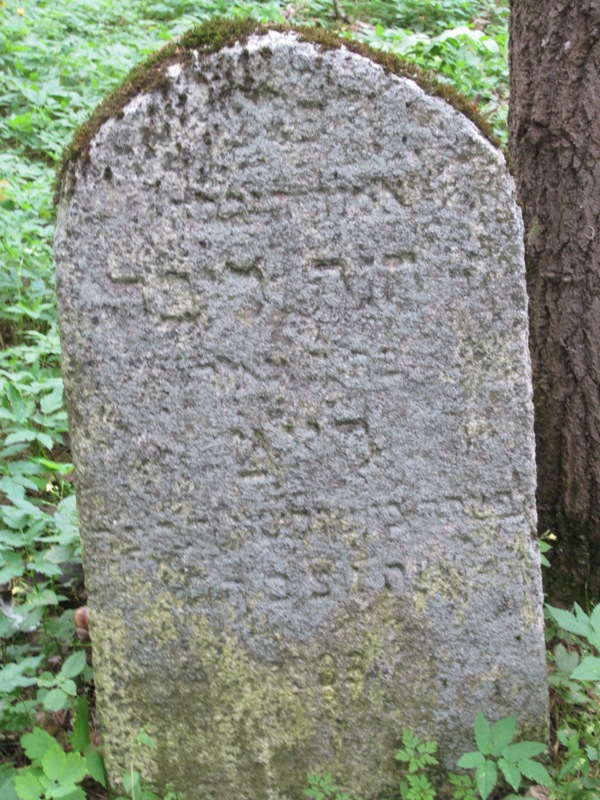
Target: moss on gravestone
[(215, 34)]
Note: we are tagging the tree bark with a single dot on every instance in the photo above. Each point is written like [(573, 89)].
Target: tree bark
[(554, 125)]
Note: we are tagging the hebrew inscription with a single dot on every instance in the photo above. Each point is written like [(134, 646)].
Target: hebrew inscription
[(294, 325)]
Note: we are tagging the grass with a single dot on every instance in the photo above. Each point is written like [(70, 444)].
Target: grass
[(57, 63)]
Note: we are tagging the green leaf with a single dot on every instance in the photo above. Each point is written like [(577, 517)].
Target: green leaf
[(486, 777), (588, 670), (572, 765), (581, 616), (511, 772), (19, 618), (21, 407), (14, 488), (39, 563), (11, 538), (45, 598), (132, 784), (428, 747), (53, 401), (36, 744), (67, 793), (21, 435), (535, 771), (409, 739), (46, 680), (58, 554), (45, 440), (12, 675), (565, 661), (7, 625), (15, 517), (64, 768), (65, 521), (55, 700), (95, 766), (25, 468), (74, 665), (69, 687), (503, 732), (471, 760), (7, 785), (27, 785), (515, 752), (568, 737), (80, 738), (13, 450), (568, 621), (483, 734), (13, 566), (146, 739), (30, 508), (53, 466)]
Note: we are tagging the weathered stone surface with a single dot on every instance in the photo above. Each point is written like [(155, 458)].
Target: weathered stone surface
[(295, 348)]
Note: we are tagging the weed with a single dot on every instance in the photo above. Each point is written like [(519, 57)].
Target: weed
[(575, 680), (322, 787), (497, 754), (132, 780), (417, 756), (544, 542), (54, 772)]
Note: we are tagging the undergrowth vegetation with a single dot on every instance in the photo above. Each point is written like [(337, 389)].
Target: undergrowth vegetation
[(57, 62)]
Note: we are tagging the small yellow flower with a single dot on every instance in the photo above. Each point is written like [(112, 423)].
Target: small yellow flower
[(552, 536), (49, 487), (21, 12)]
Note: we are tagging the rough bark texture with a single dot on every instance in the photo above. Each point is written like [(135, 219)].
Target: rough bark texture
[(555, 146)]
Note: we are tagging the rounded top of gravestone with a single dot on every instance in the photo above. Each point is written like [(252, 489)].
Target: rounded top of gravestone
[(155, 75)]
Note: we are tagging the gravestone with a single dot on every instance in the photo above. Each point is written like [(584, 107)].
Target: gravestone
[(294, 323)]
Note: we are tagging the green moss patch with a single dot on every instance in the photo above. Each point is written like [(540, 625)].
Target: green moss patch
[(215, 34), (228, 724)]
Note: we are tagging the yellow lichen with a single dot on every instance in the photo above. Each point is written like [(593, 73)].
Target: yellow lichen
[(227, 719)]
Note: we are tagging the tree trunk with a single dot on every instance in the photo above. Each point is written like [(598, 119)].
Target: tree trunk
[(554, 124)]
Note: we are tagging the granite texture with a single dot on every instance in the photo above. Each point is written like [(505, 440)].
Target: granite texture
[(294, 323)]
